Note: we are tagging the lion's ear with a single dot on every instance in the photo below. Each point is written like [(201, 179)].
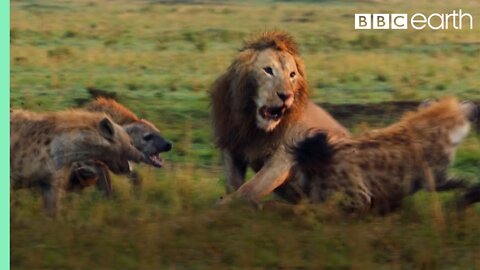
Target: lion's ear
[(302, 93), (300, 66), (244, 59)]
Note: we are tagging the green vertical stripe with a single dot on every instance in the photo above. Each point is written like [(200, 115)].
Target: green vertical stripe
[(5, 134)]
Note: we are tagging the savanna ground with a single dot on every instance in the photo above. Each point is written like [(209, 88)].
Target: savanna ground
[(159, 59)]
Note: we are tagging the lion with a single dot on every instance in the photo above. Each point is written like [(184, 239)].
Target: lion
[(146, 138), (43, 147), (259, 106), (376, 170)]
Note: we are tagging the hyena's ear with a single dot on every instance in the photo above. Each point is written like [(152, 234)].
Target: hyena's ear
[(471, 110), (427, 103), (106, 128)]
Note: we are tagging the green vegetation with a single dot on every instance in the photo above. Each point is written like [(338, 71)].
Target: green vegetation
[(159, 60)]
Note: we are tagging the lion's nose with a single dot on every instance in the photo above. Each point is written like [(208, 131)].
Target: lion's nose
[(284, 96)]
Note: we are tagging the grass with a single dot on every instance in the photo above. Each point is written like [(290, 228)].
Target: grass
[(159, 60)]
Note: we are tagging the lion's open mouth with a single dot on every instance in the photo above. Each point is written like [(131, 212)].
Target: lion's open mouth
[(272, 113), (154, 160)]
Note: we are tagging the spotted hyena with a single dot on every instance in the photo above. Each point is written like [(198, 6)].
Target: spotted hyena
[(43, 147), (377, 169), (145, 136)]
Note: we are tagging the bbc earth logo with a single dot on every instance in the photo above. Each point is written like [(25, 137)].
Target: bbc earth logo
[(457, 20)]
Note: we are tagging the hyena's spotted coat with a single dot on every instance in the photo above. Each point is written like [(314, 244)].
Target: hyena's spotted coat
[(43, 147), (376, 170)]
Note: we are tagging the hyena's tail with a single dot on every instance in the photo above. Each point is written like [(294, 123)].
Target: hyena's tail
[(313, 152)]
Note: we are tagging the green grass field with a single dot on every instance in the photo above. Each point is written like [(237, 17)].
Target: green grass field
[(159, 60)]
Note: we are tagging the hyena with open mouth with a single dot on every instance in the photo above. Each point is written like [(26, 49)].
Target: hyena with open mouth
[(43, 147), (145, 137)]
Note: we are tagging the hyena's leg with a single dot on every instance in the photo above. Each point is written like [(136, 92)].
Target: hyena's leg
[(357, 200), (49, 200), (470, 196), (445, 183), (135, 179), (441, 181), (451, 184), (89, 173), (104, 182), (359, 197), (82, 175), (53, 191), (292, 190)]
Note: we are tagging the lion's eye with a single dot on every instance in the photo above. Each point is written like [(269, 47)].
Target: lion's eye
[(292, 74), (268, 70)]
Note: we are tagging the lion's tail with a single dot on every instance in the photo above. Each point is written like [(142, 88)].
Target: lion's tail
[(313, 152)]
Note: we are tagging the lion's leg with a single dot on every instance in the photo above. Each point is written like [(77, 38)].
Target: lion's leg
[(273, 174), (235, 170)]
